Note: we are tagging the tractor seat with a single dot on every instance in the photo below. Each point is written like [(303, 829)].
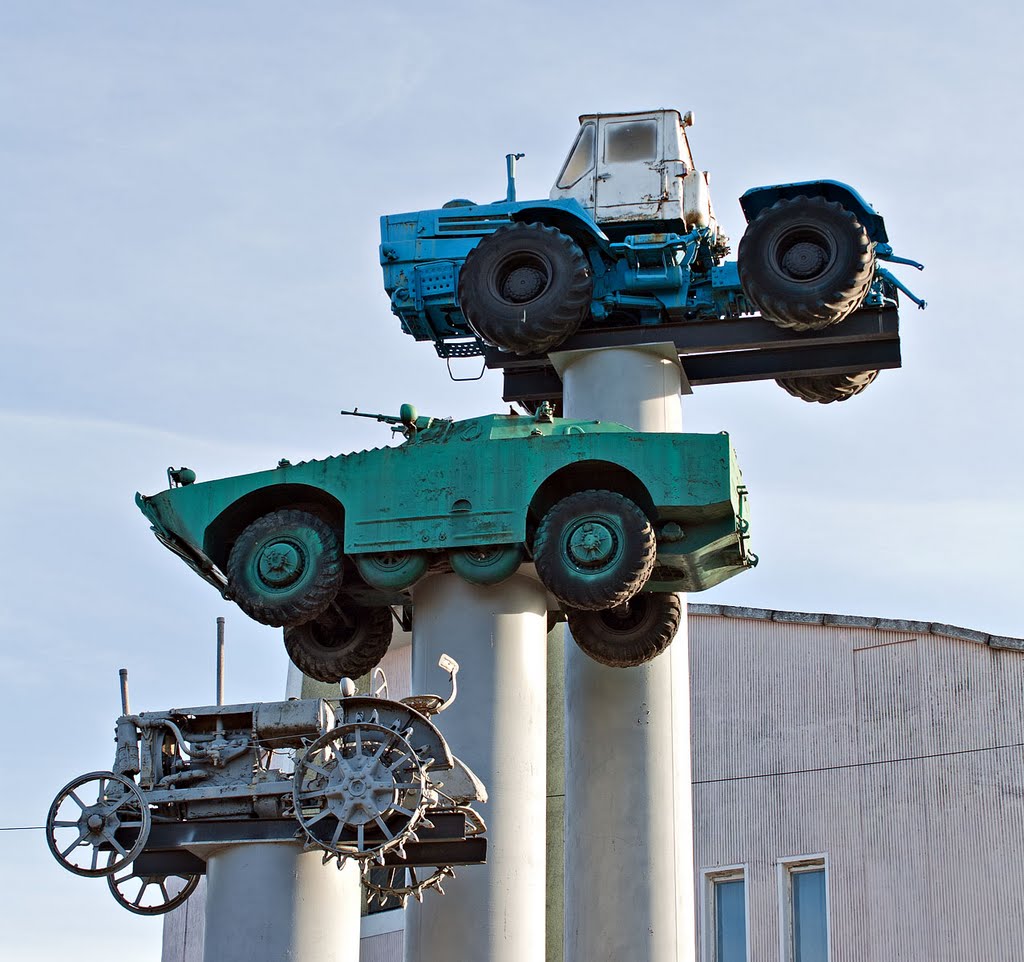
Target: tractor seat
[(425, 704)]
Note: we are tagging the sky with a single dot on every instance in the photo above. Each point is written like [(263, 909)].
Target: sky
[(189, 204)]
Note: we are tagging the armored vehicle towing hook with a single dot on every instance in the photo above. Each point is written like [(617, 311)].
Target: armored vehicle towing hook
[(628, 239), (407, 423), (614, 522), (369, 779)]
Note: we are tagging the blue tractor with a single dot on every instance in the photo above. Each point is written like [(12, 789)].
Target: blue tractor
[(629, 237)]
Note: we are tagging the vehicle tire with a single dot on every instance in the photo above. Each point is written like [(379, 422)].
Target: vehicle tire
[(806, 263), (525, 288), (392, 570), (345, 642), (285, 568), (489, 565), (826, 388), (594, 550), (629, 634)]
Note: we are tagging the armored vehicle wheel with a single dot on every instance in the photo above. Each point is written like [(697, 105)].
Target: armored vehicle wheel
[(392, 569), (117, 823), (150, 894), (360, 790), (806, 263), (344, 642), (490, 565), (285, 568), (594, 550), (827, 388), (629, 634), (526, 287)]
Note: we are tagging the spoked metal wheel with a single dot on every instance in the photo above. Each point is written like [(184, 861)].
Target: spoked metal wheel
[(360, 790), (98, 812), (150, 894), (401, 882)]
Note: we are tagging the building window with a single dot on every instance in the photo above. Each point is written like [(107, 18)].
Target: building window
[(804, 909), (725, 924)]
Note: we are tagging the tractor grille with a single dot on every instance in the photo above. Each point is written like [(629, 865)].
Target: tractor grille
[(481, 224)]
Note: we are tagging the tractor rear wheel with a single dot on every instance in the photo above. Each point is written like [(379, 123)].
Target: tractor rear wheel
[(285, 568), (594, 550), (525, 288), (629, 634), (806, 263), (344, 642), (826, 388)]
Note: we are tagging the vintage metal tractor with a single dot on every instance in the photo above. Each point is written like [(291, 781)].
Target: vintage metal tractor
[(366, 778), (629, 237), (615, 521)]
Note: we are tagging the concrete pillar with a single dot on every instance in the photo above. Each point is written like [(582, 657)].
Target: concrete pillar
[(492, 912), (270, 901), (629, 889)]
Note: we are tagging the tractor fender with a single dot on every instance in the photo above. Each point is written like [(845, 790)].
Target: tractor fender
[(570, 217), (758, 199)]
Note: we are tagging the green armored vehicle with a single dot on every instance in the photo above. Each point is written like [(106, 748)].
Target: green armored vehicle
[(615, 521)]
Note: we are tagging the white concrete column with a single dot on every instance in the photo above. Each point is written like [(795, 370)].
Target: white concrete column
[(270, 901), (492, 912), (629, 888)]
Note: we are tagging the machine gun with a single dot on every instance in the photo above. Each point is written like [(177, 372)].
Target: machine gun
[(408, 422)]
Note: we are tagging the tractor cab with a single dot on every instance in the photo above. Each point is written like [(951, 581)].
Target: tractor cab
[(636, 169)]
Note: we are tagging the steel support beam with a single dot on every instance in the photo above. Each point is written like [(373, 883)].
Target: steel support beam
[(629, 819), (491, 913), (723, 351)]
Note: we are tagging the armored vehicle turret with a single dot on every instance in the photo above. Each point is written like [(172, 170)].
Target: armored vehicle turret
[(614, 521)]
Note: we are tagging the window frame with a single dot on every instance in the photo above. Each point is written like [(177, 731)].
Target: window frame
[(590, 125), (610, 124), (787, 867), (709, 905)]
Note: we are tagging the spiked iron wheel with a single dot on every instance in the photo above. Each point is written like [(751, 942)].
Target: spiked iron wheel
[(404, 882), (360, 790), (116, 824), (150, 894)]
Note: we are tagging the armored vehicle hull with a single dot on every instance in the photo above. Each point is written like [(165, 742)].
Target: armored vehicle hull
[(325, 548)]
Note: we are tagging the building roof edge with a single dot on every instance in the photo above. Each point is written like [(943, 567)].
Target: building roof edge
[(859, 621)]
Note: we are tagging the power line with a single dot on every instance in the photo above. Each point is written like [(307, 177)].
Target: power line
[(836, 768), (23, 828)]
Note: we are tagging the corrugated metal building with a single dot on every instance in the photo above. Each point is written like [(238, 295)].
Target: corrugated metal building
[(858, 792)]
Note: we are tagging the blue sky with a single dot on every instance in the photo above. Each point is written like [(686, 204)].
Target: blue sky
[(189, 196)]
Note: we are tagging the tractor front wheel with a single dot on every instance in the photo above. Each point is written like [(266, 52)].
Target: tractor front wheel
[(826, 388), (525, 288), (806, 263)]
